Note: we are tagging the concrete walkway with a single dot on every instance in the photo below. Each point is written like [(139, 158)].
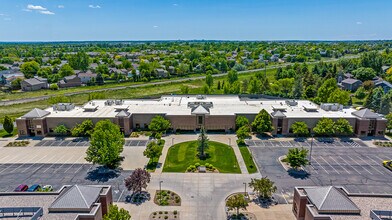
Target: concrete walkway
[(228, 139)]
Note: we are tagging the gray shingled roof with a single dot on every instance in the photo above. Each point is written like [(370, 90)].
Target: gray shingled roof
[(278, 114), (77, 198), (36, 113), (33, 81), (122, 113), (366, 113), (330, 200), (200, 110), (350, 81)]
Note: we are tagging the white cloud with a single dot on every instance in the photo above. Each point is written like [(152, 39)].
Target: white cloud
[(94, 6), (7, 19), (46, 12), (60, 6), (155, 26), (359, 22), (25, 9), (2, 14), (35, 7), (175, 4)]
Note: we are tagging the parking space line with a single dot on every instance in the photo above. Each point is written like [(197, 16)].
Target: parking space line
[(69, 142), (284, 197), (73, 163), (54, 163), (339, 165), (329, 164), (120, 195), (349, 165), (379, 158), (370, 165), (359, 164), (313, 168), (34, 163), (320, 166), (24, 163)]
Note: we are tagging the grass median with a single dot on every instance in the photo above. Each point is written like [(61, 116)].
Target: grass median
[(248, 159)]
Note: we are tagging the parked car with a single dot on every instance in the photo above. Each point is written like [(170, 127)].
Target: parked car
[(34, 188), (387, 164), (47, 188), (21, 188)]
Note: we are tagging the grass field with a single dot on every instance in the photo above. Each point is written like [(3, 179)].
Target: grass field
[(4, 134), (182, 155), (247, 156)]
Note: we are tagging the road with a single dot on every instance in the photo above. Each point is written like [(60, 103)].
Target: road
[(40, 98)]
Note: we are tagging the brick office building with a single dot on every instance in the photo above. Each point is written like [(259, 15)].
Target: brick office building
[(190, 112)]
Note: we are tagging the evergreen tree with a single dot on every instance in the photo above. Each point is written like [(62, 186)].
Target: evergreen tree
[(8, 124)]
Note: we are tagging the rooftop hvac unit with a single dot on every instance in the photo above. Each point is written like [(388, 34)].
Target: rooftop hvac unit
[(291, 102)]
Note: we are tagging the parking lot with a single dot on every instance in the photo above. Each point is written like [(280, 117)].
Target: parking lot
[(85, 143), (344, 163), (58, 175)]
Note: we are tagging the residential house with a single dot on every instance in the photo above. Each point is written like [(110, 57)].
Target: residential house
[(172, 70), (70, 81), (86, 77), (274, 58), (34, 84), (350, 84), (383, 84), (161, 73)]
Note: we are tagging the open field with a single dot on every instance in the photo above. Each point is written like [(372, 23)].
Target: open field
[(182, 155)]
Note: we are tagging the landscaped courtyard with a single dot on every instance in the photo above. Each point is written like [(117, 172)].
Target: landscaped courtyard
[(181, 156)]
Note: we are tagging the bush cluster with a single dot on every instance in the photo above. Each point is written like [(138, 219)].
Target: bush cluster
[(193, 168), (383, 143)]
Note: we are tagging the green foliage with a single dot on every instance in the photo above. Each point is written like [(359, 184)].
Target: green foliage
[(53, 86), (8, 124), (243, 132), (61, 130), (202, 143), (324, 92), (96, 95), (389, 122), (297, 157), (16, 84), (343, 127), (85, 129), (184, 89), (324, 127), (360, 93), (29, 69), (364, 74), (373, 100), (159, 124), (232, 76), (263, 187), (300, 128), (153, 150), (241, 121), (236, 202), (339, 96), (106, 144), (58, 99), (262, 122), (79, 61), (209, 80), (66, 70), (117, 214)]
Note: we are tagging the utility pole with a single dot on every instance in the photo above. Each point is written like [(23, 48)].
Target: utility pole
[(245, 189), (311, 148), (160, 191)]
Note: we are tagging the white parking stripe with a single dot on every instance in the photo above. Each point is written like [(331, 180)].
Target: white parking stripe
[(24, 163), (34, 163), (284, 197), (320, 166), (339, 165), (359, 164), (120, 195), (73, 163), (54, 163), (349, 165), (329, 164), (370, 165)]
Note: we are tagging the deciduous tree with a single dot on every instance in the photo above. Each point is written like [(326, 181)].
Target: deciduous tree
[(324, 127), (137, 181), (237, 202), (262, 122), (343, 127), (29, 69), (117, 214), (106, 144), (297, 157), (8, 124), (300, 128), (263, 187)]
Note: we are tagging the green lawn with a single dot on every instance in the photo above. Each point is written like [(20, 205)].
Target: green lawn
[(182, 155), (247, 156), (4, 134)]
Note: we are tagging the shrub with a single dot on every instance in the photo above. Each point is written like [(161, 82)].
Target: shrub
[(53, 86), (175, 212), (166, 217), (197, 165)]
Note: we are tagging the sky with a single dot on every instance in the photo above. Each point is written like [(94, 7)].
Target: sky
[(90, 20)]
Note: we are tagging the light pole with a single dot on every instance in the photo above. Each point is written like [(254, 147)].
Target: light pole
[(311, 148), (245, 189), (160, 191), (172, 141), (229, 141)]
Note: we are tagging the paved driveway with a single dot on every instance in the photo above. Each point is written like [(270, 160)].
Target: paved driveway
[(353, 165)]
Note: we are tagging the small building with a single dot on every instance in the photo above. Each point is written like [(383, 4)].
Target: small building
[(34, 84), (77, 202), (336, 203), (161, 73), (351, 84), (86, 77), (70, 81), (385, 68), (384, 85)]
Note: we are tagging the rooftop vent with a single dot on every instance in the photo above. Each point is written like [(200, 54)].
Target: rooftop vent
[(63, 107), (331, 106), (291, 102), (200, 97)]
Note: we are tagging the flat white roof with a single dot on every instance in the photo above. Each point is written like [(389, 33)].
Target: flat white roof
[(222, 105)]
